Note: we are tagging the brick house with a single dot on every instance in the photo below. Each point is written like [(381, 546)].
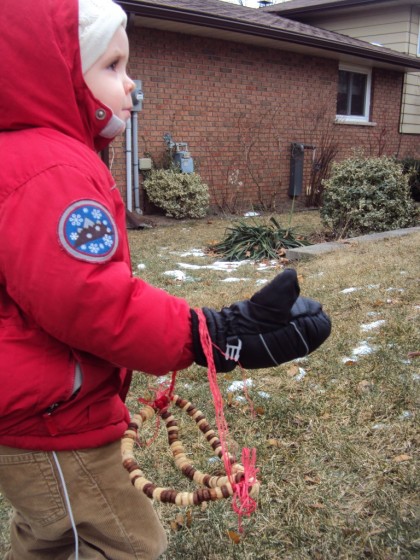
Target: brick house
[(391, 23), (252, 93)]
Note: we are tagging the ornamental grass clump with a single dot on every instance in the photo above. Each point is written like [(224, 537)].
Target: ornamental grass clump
[(180, 195), (365, 195), (257, 241)]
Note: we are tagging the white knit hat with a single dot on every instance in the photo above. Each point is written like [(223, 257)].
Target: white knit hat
[(98, 21)]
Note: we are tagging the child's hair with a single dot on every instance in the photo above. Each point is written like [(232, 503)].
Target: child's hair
[(98, 21)]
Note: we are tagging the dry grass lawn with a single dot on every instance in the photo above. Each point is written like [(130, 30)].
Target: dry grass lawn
[(336, 433)]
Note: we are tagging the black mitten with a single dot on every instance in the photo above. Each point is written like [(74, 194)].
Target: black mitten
[(271, 328)]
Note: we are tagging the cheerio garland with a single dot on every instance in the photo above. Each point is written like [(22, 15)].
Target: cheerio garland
[(240, 481)]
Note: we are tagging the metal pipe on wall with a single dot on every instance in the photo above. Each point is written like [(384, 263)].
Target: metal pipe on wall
[(136, 162), (128, 165)]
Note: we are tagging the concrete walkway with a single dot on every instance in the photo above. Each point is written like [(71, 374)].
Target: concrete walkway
[(321, 248)]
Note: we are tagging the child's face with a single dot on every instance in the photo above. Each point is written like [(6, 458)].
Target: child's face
[(107, 79)]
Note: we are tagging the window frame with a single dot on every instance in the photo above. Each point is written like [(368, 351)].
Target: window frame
[(367, 71)]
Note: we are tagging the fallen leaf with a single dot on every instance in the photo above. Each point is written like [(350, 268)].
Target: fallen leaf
[(177, 523), (401, 458), (350, 362), (174, 526), (293, 370), (317, 505), (188, 515), (259, 410), (234, 536), (311, 479), (413, 354)]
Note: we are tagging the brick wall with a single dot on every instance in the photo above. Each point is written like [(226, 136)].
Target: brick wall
[(240, 107)]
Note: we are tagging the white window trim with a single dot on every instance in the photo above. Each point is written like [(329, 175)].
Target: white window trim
[(365, 117)]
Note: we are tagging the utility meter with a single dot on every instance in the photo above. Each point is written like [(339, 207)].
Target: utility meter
[(137, 96)]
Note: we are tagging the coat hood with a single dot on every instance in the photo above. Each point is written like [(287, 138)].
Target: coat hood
[(41, 80)]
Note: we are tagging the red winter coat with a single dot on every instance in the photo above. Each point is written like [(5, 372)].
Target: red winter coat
[(73, 320)]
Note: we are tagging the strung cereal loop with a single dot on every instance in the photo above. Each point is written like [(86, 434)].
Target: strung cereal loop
[(217, 487)]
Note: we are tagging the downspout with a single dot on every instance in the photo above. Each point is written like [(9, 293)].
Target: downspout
[(128, 166), (136, 162)]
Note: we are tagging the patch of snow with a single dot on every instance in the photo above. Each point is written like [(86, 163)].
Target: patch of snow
[(227, 265), (190, 266), (239, 385), (370, 326), (264, 395), (349, 290), (177, 274), (251, 214), (193, 253), (266, 266), (300, 375), (234, 279), (363, 349)]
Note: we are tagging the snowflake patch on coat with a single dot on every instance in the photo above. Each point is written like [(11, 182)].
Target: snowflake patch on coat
[(88, 232)]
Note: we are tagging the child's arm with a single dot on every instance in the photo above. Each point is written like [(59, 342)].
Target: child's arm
[(91, 302)]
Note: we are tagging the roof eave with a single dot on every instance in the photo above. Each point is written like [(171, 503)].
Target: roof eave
[(202, 19)]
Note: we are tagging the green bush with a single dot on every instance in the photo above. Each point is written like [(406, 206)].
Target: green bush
[(180, 195), (364, 195)]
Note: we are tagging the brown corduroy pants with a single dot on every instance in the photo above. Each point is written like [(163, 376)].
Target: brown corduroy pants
[(112, 519)]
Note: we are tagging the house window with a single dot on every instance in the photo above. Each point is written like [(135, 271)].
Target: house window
[(353, 97), (418, 44)]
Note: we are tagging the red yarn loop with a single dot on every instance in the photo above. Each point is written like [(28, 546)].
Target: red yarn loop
[(163, 395), (242, 502)]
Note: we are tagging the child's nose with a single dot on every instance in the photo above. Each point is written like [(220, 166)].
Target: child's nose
[(129, 85)]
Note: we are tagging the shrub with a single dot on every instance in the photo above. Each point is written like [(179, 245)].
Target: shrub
[(411, 166), (365, 195), (180, 195)]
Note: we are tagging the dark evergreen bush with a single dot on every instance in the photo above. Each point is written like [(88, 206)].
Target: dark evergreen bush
[(365, 195), (411, 166), (180, 195)]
